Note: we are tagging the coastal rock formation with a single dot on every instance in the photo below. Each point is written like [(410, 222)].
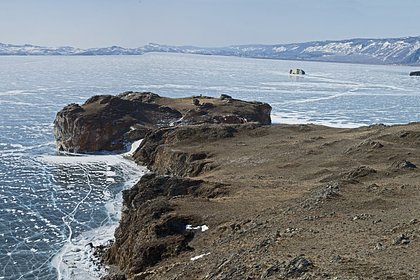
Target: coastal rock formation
[(150, 229), (109, 123), (157, 154), (280, 202), (232, 198)]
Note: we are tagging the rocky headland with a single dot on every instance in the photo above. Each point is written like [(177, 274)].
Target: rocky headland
[(244, 199), (109, 123)]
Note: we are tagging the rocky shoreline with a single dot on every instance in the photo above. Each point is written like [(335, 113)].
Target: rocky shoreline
[(279, 201), (110, 123)]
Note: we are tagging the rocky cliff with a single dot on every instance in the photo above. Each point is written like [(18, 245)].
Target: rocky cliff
[(279, 201), (152, 228), (232, 199), (111, 122)]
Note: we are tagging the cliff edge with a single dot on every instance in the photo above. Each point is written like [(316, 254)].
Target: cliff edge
[(109, 123), (277, 202), (228, 198)]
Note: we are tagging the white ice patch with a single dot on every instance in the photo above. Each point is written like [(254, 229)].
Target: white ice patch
[(134, 147), (80, 159), (199, 256), (110, 179), (296, 118), (76, 260), (16, 145), (202, 228)]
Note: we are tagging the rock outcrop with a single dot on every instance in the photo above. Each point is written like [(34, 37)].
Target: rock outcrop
[(108, 123), (277, 202), (150, 229), (280, 202), (415, 73), (157, 154)]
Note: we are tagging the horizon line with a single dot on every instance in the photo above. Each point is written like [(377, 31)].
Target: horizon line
[(207, 47)]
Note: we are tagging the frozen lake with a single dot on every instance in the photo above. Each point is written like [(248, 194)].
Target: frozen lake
[(48, 200)]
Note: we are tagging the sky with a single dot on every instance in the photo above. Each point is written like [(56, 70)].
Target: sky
[(211, 23)]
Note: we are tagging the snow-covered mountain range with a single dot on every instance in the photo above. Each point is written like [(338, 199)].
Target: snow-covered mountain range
[(378, 51)]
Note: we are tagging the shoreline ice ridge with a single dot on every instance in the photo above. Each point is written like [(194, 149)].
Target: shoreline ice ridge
[(76, 259)]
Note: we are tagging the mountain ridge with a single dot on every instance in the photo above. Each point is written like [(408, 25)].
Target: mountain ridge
[(405, 50)]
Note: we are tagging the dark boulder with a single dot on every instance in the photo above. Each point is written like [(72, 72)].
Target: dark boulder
[(225, 97), (415, 73), (403, 164)]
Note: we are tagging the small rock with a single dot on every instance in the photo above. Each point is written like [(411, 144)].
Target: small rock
[(294, 268), (196, 102), (297, 266), (362, 216), (413, 221), (379, 246), (404, 164), (373, 187), (330, 191), (225, 96), (405, 241), (336, 259), (114, 276), (359, 172), (401, 239), (270, 271)]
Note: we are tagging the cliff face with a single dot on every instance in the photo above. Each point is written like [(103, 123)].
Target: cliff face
[(280, 201), (157, 154), (151, 228), (110, 122)]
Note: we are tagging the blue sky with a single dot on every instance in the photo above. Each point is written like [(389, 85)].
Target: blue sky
[(132, 23)]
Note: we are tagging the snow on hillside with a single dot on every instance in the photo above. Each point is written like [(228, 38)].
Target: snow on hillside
[(381, 51)]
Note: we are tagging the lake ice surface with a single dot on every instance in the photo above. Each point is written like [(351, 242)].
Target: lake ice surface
[(48, 199)]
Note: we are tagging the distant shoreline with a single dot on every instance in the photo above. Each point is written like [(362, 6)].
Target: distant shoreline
[(391, 51), (416, 66)]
